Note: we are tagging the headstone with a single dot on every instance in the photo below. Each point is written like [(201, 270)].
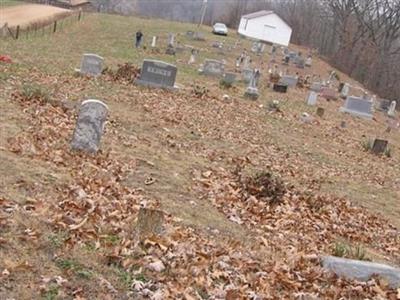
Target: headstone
[(290, 81), (280, 87), (89, 126), (343, 124), (246, 62), (300, 63), (361, 270), (320, 112), (153, 42), (312, 98), (285, 51), (229, 78), (384, 104), (91, 64), (217, 44), (150, 222), (190, 34), (286, 60), (247, 75), (212, 67), (192, 59), (157, 74), (358, 107), (171, 39), (308, 62), (170, 50), (316, 87), (392, 109), (306, 118), (345, 90), (379, 146), (328, 93), (292, 55), (252, 91), (198, 36)]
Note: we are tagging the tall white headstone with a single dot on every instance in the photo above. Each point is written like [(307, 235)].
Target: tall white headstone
[(392, 109), (312, 98), (154, 42)]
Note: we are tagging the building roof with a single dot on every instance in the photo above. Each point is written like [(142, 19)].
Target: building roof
[(257, 14)]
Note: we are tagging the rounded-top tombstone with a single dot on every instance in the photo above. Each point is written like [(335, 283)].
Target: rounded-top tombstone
[(89, 126)]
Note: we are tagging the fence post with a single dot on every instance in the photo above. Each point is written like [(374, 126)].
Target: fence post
[(17, 33), (55, 26)]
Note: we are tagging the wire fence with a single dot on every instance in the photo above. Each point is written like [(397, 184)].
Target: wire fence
[(41, 28)]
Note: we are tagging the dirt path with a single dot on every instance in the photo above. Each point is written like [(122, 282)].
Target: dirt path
[(24, 15)]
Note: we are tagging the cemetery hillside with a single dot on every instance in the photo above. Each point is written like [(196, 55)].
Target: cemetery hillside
[(259, 172)]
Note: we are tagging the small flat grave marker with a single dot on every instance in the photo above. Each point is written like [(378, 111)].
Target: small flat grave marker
[(320, 112), (280, 87), (212, 67), (379, 146)]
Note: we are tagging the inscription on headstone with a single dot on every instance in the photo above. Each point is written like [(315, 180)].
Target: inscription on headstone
[(157, 74)]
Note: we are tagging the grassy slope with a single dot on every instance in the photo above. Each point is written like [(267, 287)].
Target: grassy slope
[(322, 152)]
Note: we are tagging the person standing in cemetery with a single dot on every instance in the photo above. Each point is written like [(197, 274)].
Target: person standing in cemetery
[(139, 37)]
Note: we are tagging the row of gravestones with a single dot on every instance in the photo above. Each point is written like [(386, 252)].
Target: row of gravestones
[(153, 73)]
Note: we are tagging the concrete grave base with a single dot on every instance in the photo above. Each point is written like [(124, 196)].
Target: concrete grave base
[(355, 113), (155, 85)]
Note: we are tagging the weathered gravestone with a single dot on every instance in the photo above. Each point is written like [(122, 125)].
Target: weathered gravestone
[(392, 109), (361, 270), (92, 65), (379, 146), (190, 34), (89, 126), (308, 62), (300, 62), (247, 75), (290, 81), (280, 87), (157, 74), (171, 39), (198, 36), (293, 55), (328, 93), (229, 79), (358, 107), (252, 91), (150, 222), (345, 90), (384, 104), (212, 67), (312, 98), (320, 112), (316, 87)]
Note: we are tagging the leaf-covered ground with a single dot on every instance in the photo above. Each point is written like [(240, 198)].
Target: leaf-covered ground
[(68, 220)]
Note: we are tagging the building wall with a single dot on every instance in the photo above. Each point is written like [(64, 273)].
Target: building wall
[(268, 28)]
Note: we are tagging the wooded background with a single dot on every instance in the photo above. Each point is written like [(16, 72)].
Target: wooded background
[(359, 37)]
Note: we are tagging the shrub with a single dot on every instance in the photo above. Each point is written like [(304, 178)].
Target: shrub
[(34, 92)]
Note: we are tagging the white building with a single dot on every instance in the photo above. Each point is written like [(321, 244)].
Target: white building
[(265, 26)]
